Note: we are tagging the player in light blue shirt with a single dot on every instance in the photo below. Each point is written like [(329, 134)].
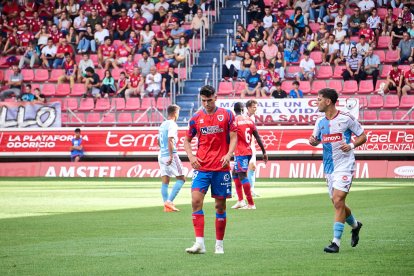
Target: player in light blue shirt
[(170, 163), (334, 131)]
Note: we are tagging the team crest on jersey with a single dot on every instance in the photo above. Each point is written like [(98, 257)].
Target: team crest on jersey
[(201, 121), (226, 177), (220, 117), (344, 178)]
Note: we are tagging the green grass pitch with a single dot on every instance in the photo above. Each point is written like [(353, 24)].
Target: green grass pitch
[(117, 227)]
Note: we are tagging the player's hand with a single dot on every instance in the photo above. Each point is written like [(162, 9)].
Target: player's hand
[(345, 147), (313, 141), (194, 162), (169, 161), (225, 160), (265, 158)]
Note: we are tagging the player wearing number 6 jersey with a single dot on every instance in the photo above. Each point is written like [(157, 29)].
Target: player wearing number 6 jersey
[(170, 164), (334, 131), (245, 129)]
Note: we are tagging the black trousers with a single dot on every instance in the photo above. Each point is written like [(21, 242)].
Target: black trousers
[(229, 72), (357, 77)]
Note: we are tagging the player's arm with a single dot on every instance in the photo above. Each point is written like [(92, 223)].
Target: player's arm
[(359, 140), (187, 147), (170, 149), (259, 141), (313, 139), (233, 142)]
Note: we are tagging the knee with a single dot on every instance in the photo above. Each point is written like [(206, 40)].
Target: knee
[(339, 203), (220, 207)]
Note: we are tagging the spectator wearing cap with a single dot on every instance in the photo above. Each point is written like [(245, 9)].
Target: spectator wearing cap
[(145, 63), (122, 85)]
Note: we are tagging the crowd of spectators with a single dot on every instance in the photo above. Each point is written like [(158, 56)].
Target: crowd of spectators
[(344, 33), (49, 34)]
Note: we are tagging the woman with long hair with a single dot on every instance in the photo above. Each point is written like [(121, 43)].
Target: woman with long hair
[(108, 85)]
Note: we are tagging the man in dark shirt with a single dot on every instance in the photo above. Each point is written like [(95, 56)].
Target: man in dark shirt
[(279, 93), (397, 33), (355, 20), (92, 83), (253, 83), (258, 32), (317, 7), (115, 9)]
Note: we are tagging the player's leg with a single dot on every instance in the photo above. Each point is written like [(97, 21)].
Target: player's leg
[(239, 190), (356, 226), (251, 175), (246, 188), (176, 170), (165, 181), (199, 187)]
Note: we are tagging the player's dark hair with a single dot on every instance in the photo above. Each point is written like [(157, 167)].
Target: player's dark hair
[(249, 103), (238, 107), (207, 90), (171, 109), (77, 130), (329, 93)]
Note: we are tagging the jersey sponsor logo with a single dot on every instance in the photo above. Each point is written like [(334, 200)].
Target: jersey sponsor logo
[(226, 177), (332, 138), (211, 130), (220, 117)]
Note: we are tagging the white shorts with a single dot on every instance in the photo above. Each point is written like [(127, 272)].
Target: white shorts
[(174, 169), (340, 181)]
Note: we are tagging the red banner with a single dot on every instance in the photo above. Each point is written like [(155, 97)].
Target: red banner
[(143, 141), (273, 169)]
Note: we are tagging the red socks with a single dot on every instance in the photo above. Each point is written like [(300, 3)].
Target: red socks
[(239, 190), (198, 223), (247, 191), (220, 225)]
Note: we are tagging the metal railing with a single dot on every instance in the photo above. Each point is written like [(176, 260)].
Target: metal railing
[(188, 63), (214, 73), (243, 5), (173, 89), (221, 60), (235, 22)]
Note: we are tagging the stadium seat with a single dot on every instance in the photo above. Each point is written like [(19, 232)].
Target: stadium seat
[(305, 87), (155, 117), (386, 69), (291, 71), (318, 85), (380, 54), (382, 12), (365, 86), (108, 118), (94, 58), (78, 89), (70, 104), (250, 27), (86, 104), (162, 103), (1, 76), (116, 72), (289, 12), (146, 103), (375, 101), (118, 104), (407, 101), (55, 74), (391, 56), (378, 85), (102, 104), (140, 118), (401, 117), (181, 72), (369, 116), (77, 118), (391, 101), (124, 118), (338, 70), (363, 102), (137, 57), (355, 39), (383, 42), (350, 87), (28, 74), (7, 74), (404, 67), (335, 84), (287, 86), (101, 73), (41, 75), (60, 100), (324, 72), (316, 56), (132, 104), (62, 89), (64, 118), (385, 116), (314, 26), (225, 88), (48, 89), (396, 11), (155, 28), (93, 118), (239, 86)]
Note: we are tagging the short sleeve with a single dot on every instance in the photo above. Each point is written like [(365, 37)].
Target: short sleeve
[(192, 128), (172, 130), (232, 122), (316, 131), (355, 126)]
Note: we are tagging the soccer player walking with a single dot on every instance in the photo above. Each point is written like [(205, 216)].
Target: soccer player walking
[(245, 129), (217, 138), (334, 131), (170, 163), (251, 106)]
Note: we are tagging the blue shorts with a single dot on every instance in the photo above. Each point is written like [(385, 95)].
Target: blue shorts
[(220, 183), (72, 157), (241, 163)]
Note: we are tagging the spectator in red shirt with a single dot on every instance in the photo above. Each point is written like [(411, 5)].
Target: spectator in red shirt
[(22, 21), (162, 35), (138, 22), (55, 34), (135, 85), (25, 39), (394, 80), (122, 53), (162, 65), (12, 42), (30, 7), (70, 71), (129, 65), (62, 49), (11, 9), (367, 32), (36, 23), (254, 49), (46, 10), (123, 26), (106, 54), (409, 81)]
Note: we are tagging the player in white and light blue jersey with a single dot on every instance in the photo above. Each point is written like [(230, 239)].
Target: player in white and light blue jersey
[(170, 163), (334, 131)]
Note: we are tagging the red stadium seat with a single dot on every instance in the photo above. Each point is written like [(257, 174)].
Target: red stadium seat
[(140, 118), (324, 72), (407, 101), (386, 69), (77, 118), (318, 85), (94, 58), (55, 74), (124, 118), (383, 42), (118, 104), (60, 100), (181, 72), (101, 73), (64, 117), (28, 74), (291, 71), (391, 56), (369, 116), (1, 76), (350, 87), (316, 56), (70, 103), (338, 70), (287, 86), (78, 89), (93, 118), (375, 101), (63, 89), (102, 104), (378, 85), (146, 103), (314, 26), (7, 74), (41, 75), (391, 101), (250, 27), (404, 67), (289, 12), (162, 103), (225, 88), (382, 12), (86, 104), (48, 89), (194, 44), (385, 116), (396, 11), (109, 118), (354, 39), (239, 86), (365, 86), (380, 54), (132, 104), (305, 87), (116, 72), (363, 102), (336, 84), (137, 57), (401, 117)]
